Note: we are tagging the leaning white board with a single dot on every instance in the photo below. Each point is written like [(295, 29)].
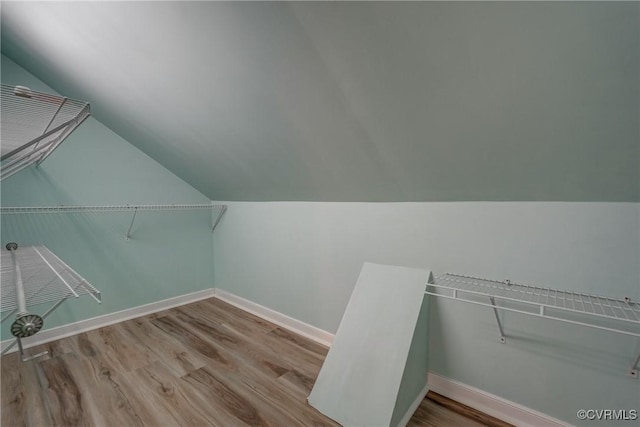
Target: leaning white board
[(361, 375)]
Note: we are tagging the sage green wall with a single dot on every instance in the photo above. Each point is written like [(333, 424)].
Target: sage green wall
[(169, 254), (303, 259)]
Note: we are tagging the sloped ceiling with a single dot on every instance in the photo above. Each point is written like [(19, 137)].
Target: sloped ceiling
[(356, 101)]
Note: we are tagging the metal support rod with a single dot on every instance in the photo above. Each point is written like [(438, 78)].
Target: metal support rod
[(495, 311), (64, 101), (131, 226), (19, 341), (53, 307), (15, 165), (223, 209), (634, 367), (35, 356), (38, 139), (75, 294), (64, 135), (21, 302), (26, 359)]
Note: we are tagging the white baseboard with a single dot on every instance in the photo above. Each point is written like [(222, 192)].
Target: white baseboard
[(308, 331), (490, 404), (56, 333), (414, 406)]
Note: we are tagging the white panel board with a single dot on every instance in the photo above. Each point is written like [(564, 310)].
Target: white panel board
[(360, 378)]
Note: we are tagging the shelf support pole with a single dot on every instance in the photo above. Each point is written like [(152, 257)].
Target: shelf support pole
[(135, 211), (19, 342), (495, 311)]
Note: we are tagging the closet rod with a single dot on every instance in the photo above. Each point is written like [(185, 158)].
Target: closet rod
[(110, 208)]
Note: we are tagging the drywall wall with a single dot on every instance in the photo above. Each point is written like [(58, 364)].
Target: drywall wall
[(303, 259), (169, 253), (357, 101)]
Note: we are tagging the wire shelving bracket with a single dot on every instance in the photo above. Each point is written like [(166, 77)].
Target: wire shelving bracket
[(33, 275), (604, 313), (33, 125)]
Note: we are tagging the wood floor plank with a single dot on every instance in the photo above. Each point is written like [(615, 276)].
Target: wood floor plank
[(431, 414), (227, 399), (20, 394), (221, 309), (306, 360), (254, 383), (306, 344), (61, 394), (467, 411), (13, 396), (171, 352), (219, 335), (163, 394), (174, 328), (125, 352), (204, 364), (299, 381), (113, 406)]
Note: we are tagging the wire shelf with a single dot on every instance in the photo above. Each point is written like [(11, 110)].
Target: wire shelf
[(103, 208), (46, 278), (542, 300), (34, 275), (221, 209), (33, 125), (594, 305), (594, 311)]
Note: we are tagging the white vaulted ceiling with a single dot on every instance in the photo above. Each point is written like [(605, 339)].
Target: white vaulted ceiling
[(356, 101)]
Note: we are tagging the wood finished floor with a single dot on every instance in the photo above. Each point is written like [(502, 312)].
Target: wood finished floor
[(204, 364)]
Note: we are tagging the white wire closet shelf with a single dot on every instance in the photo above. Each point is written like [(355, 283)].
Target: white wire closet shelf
[(46, 278), (600, 312), (31, 276), (18, 210), (103, 208), (33, 125)]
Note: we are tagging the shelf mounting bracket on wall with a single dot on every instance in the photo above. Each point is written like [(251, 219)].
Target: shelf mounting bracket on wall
[(33, 125), (135, 211), (634, 367), (223, 209), (609, 314), (495, 311)]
